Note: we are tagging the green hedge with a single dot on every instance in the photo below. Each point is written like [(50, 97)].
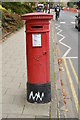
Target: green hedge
[(17, 7)]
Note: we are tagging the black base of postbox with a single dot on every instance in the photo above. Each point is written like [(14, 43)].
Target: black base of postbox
[(38, 93)]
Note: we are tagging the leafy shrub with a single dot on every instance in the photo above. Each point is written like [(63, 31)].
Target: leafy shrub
[(17, 7), (11, 21)]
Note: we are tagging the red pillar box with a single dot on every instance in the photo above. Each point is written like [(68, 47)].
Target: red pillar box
[(38, 59)]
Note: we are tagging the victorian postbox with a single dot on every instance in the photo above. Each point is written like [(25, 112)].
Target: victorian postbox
[(38, 59)]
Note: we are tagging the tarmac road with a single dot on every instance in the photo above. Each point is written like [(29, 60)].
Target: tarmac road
[(68, 43)]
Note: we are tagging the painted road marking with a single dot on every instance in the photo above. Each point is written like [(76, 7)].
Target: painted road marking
[(75, 74), (60, 41), (56, 24), (73, 17), (62, 22), (72, 22), (70, 57), (65, 63), (71, 84)]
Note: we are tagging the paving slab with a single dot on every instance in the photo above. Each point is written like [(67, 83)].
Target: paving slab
[(14, 91), (4, 115), (19, 99), (36, 109), (12, 115), (7, 99), (4, 90), (14, 81), (28, 116), (11, 108), (0, 81)]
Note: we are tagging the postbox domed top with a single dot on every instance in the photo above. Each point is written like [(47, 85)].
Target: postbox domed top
[(37, 16)]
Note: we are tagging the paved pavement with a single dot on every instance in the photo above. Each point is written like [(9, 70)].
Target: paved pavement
[(0, 81), (78, 69), (14, 77)]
